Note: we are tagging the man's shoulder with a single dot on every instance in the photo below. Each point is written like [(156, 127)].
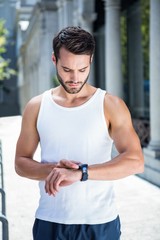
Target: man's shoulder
[(33, 105), (115, 106), (112, 100), (35, 100)]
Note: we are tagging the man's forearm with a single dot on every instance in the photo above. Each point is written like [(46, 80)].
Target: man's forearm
[(29, 168), (121, 166)]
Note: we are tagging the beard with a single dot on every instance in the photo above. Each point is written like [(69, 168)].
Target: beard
[(71, 90)]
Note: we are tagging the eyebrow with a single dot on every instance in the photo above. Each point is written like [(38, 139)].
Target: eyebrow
[(72, 69)]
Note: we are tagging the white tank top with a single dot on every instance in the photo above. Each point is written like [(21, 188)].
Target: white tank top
[(79, 134)]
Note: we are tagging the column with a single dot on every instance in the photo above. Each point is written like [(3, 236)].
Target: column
[(152, 152), (154, 75), (48, 28), (69, 10), (135, 60), (113, 70), (84, 17), (61, 16)]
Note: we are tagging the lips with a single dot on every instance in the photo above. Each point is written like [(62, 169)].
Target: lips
[(73, 84)]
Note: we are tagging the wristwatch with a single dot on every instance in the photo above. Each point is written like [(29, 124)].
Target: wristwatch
[(84, 169)]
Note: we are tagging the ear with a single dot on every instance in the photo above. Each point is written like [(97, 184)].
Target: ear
[(53, 58), (91, 58)]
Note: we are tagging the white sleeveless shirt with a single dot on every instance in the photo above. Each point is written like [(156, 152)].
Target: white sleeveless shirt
[(79, 134)]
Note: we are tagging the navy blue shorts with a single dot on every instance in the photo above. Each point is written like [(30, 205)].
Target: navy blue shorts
[(56, 231)]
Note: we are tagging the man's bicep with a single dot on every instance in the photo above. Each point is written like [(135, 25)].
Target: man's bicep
[(125, 139), (29, 138), (122, 131), (27, 143)]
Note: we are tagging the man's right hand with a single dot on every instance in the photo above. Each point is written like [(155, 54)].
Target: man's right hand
[(68, 164)]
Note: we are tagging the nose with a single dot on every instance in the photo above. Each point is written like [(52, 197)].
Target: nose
[(75, 76)]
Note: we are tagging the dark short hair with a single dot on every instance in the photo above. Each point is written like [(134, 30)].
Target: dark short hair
[(74, 39)]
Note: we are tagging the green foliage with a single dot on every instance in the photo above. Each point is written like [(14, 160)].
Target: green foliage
[(3, 34), (55, 81), (5, 70)]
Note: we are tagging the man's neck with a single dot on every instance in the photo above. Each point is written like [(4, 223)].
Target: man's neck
[(61, 97)]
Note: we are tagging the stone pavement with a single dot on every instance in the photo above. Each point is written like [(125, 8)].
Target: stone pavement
[(137, 200)]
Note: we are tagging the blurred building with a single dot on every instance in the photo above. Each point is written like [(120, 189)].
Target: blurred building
[(37, 22)]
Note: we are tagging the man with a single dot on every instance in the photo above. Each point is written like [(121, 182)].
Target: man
[(76, 125)]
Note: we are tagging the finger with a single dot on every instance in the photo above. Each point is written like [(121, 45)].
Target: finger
[(54, 181), (76, 163), (49, 183), (69, 164), (58, 182)]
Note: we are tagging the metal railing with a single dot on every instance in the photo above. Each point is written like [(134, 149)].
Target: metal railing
[(3, 218), (142, 127)]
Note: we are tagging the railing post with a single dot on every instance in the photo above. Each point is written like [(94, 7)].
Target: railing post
[(5, 235)]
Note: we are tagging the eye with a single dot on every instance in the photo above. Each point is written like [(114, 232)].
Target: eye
[(82, 70), (66, 70)]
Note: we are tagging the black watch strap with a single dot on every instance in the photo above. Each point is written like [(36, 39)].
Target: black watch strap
[(84, 169)]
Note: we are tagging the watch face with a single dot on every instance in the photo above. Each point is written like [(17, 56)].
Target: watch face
[(84, 169)]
